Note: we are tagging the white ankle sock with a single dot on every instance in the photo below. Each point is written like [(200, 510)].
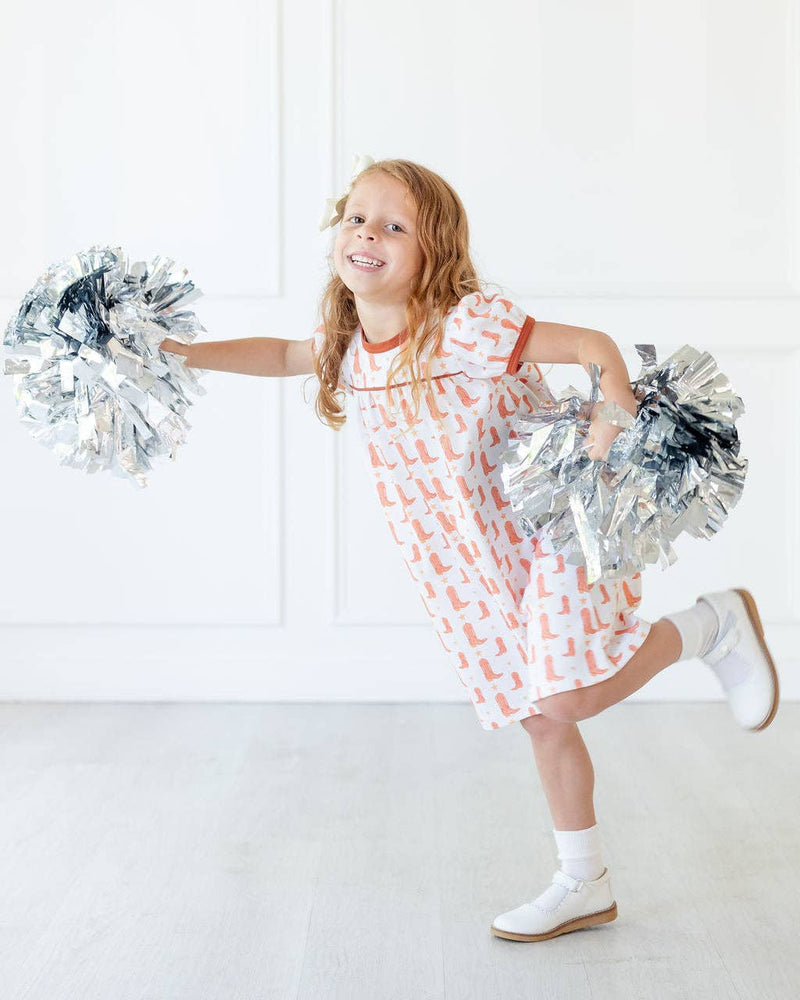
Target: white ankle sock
[(580, 853), (698, 628)]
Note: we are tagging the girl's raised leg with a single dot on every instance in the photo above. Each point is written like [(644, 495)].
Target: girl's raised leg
[(661, 648), (723, 629)]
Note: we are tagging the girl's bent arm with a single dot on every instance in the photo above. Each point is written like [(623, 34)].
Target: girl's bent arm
[(558, 343), (247, 356)]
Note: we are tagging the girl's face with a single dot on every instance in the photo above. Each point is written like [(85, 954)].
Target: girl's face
[(379, 223)]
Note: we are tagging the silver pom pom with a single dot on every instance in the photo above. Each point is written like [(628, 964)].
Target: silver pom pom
[(674, 468), (89, 377)]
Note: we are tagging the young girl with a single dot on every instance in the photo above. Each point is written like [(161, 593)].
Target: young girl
[(437, 369)]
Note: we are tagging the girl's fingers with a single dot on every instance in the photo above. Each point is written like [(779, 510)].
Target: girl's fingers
[(173, 346)]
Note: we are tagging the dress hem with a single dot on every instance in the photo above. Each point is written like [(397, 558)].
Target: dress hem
[(523, 711)]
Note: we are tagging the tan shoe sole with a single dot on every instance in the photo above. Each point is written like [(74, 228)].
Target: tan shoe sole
[(589, 920), (752, 612)]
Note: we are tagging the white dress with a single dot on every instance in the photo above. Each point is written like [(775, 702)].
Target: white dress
[(516, 621)]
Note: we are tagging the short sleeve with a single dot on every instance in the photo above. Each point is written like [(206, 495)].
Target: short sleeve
[(316, 344), (488, 334)]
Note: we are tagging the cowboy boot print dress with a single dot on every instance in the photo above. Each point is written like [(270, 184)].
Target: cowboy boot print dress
[(517, 622)]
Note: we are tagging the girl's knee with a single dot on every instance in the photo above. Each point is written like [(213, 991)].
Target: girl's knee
[(543, 727), (567, 706)]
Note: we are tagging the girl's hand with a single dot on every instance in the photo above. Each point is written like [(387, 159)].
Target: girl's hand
[(174, 347), (601, 434)]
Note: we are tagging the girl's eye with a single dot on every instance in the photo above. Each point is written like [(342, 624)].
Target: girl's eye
[(362, 219)]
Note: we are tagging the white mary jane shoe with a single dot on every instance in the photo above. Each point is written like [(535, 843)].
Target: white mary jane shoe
[(567, 905), (741, 660)]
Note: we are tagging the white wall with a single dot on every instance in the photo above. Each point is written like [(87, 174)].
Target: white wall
[(627, 166)]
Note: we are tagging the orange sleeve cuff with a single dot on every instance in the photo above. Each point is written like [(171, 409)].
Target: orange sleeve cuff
[(514, 362)]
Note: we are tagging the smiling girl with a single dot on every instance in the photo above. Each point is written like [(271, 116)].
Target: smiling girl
[(437, 368)]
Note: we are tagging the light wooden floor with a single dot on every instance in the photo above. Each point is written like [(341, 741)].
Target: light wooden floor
[(242, 852)]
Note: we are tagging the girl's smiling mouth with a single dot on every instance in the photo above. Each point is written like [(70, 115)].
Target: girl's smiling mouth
[(365, 262)]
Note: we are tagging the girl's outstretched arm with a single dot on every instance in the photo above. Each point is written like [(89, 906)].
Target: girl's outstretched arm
[(247, 356)]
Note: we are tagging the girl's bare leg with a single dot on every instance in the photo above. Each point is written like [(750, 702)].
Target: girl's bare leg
[(565, 770), (661, 648)]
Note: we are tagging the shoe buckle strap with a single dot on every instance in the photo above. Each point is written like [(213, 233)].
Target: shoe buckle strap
[(723, 646), (573, 884)]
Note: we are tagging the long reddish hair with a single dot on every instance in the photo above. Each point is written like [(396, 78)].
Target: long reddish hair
[(446, 275)]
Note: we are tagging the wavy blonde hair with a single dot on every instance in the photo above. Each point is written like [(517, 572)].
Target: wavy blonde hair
[(446, 275)]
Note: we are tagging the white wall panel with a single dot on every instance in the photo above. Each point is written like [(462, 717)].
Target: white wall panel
[(157, 130), (616, 149)]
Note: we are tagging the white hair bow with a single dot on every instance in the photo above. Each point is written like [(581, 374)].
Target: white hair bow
[(331, 216)]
